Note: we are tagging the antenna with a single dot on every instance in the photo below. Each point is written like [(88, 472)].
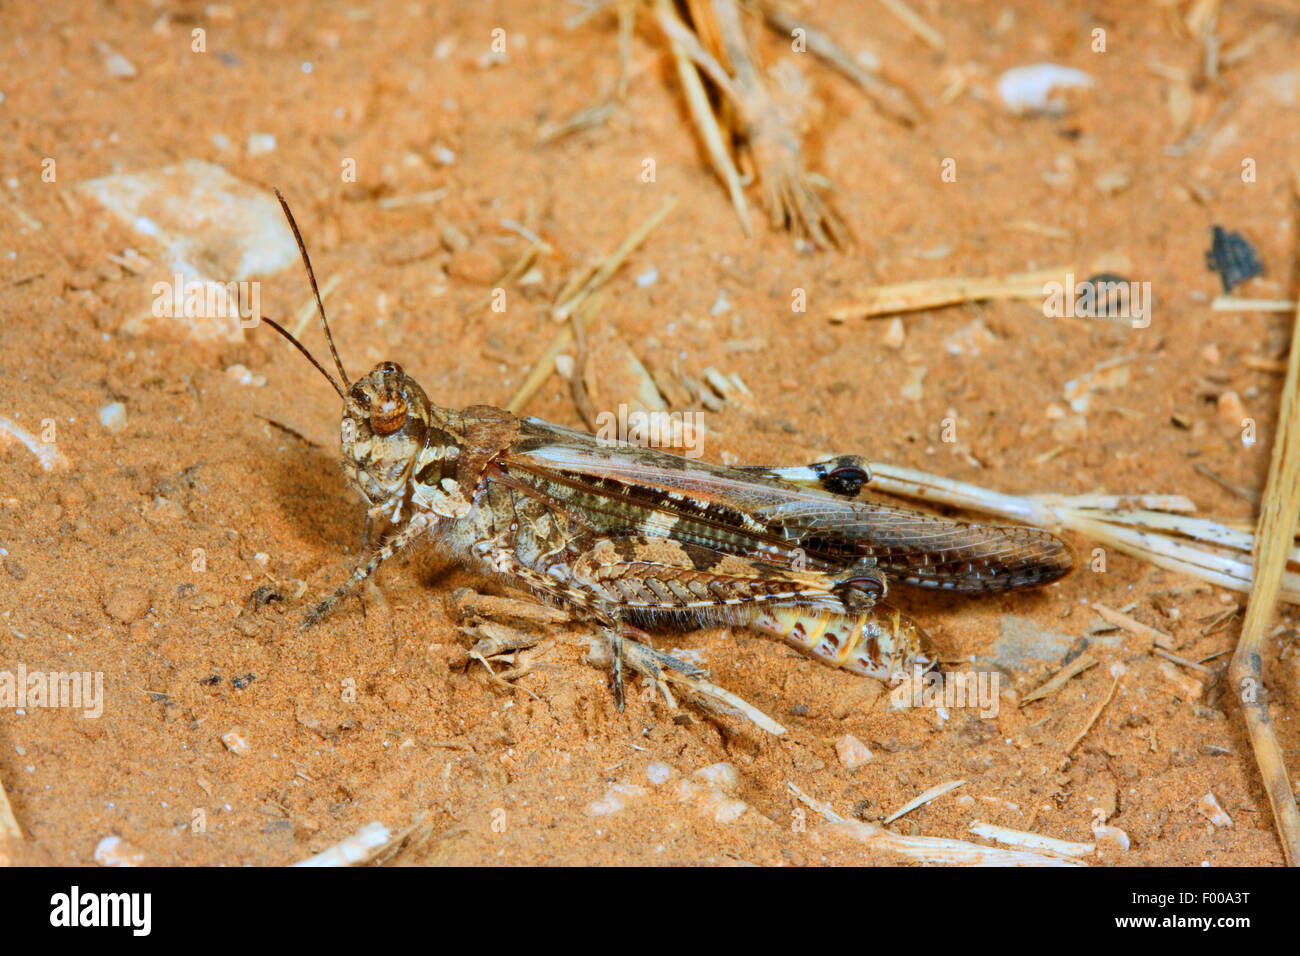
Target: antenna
[(310, 358), (320, 306)]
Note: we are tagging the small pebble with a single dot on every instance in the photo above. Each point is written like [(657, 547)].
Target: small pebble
[(616, 798), (236, 742), (113, 416), (853, 753), (894, 334), (126, 604), (970, 340), (914, 388), (453, 240), (1070, 428), (259, 144), (1109, 376), (723, 809), (1210, 809), (114, 851), (1028, 89), (658, 773), (115, 63), (606, 806), (1113, 182), (1110, 838), (242, 376), (711, 800), (721, 775), (1231, 411), (1184, 684)]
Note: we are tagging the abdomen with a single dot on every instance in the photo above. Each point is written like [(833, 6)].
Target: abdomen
[(880, 642)]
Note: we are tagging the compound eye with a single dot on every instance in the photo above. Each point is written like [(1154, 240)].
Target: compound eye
[(390, 368), (389, 416)]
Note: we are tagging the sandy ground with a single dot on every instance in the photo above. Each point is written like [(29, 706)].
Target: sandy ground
[(364, 718)]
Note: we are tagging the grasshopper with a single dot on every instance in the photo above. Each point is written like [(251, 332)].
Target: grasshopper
[(628, 536)]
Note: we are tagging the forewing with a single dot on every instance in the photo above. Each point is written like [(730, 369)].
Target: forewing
[(617, 489), (925, 550)]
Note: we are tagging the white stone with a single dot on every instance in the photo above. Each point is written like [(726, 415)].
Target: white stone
[(259, 144), (114, 851), (1028, 88), (113, 416)]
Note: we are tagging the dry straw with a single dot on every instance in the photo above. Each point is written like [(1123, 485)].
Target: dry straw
[(9, 829), (886, 301), (1036, 850), (1155, 528), (1273, 547)]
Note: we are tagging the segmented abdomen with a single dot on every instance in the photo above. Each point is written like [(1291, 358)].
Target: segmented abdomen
[(880, 642)]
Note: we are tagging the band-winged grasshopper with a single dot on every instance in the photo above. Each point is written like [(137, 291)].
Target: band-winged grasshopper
[(629, 535)]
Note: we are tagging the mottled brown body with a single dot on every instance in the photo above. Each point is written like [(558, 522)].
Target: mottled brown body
[(637, 536), (632, 535)]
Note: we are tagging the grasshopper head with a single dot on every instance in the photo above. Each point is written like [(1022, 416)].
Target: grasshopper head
[(385, 426), (391, 431)]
